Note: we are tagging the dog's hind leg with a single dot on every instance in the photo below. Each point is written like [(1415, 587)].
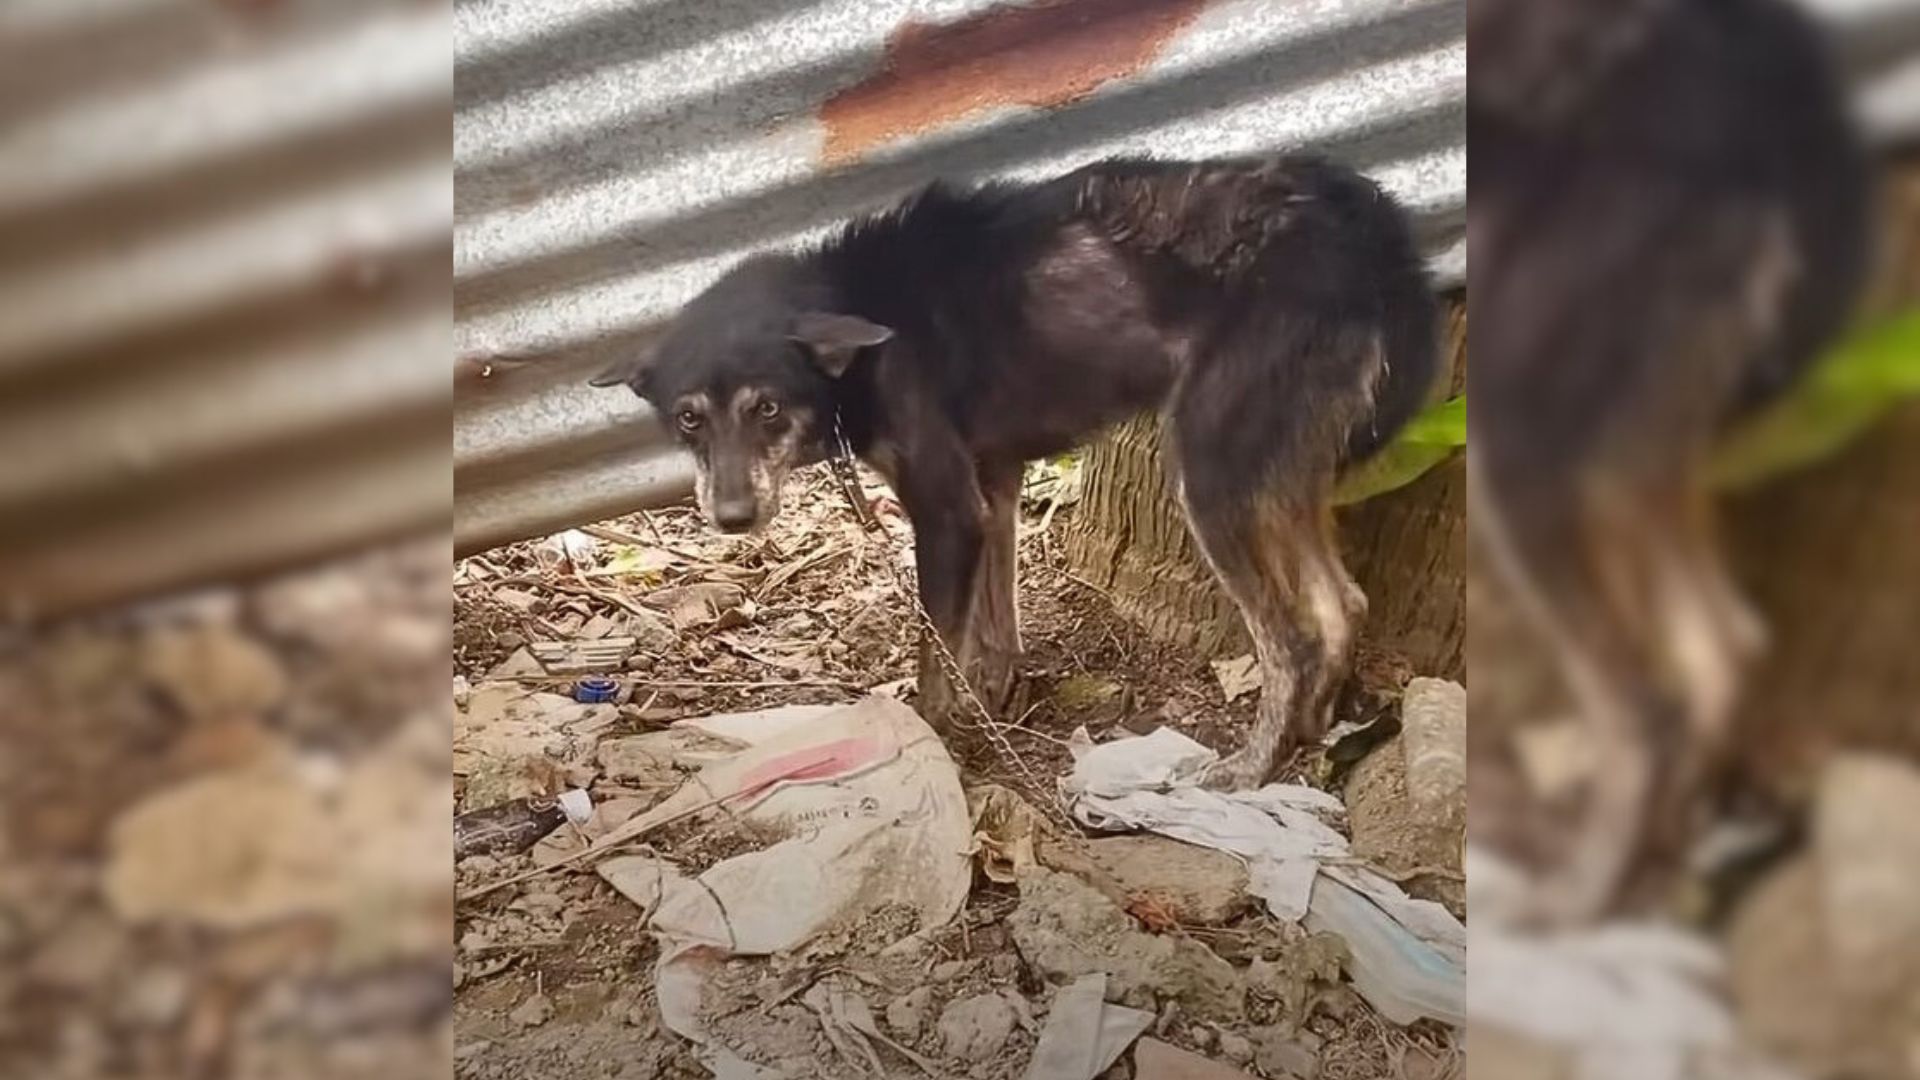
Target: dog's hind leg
[(1618, 575), (1276, 560), (1272, 550), (996, 614), (1256, 432)]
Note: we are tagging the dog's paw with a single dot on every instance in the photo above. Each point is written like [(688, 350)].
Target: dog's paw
[(1238, 772)]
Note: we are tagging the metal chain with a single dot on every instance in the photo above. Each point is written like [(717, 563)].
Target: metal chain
[(841, 460)]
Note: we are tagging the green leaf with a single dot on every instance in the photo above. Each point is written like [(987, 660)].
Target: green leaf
[(1428, 439), (645, 563), (1868, 373)]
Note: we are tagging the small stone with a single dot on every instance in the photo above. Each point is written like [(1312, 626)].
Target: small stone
[(1279, 1055), (1199, 884), (532, 1012), (517, 599), (1236, 1048), (650, 631), (212, 672), (975, 1028), (907, 1014), (1003, 966), (949, 970)]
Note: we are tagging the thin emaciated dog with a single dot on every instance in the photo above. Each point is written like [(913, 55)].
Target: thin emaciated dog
[(1668, 219), (1275, 309)]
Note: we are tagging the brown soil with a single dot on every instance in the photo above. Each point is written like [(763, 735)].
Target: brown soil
[(825, 623)]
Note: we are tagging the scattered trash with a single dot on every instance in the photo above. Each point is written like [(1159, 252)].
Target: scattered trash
[(520, 664), (1402, 974), (595, 691), (1353, 740), (1819, 971), (577, 805), (1085, 1034), (1625, 999), (1078, 948), (509, 827), (515, 742), (1410, 953), (583, 657), (851, 809)]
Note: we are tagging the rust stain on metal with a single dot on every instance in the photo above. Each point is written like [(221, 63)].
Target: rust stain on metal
[(1044, 54)]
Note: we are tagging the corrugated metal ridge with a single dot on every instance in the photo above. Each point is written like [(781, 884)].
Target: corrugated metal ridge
[(224, 281)]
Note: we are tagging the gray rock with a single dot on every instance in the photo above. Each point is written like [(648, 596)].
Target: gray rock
[(1236, 1048), (907, 1014), (1281, 1055), (532, 1012), (1201, 885), (975, 1028)]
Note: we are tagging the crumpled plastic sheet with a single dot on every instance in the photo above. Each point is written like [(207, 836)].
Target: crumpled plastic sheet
[(862, 808), (1409, 955)]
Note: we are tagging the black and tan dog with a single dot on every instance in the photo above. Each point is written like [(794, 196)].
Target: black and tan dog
[(1275, 309), (1668, 218)]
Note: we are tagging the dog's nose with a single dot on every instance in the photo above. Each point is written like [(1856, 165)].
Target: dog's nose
[(734, 515)]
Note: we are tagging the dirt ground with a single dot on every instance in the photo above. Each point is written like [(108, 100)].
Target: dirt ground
[(554, 975), (222, 827)]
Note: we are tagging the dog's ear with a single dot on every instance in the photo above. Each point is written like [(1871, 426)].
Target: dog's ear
[(834, 340), (625, 371)]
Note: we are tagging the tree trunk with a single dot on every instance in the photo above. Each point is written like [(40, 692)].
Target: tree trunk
[(1406, 548)]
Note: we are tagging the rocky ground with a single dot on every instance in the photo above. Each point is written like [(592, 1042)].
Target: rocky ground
[(554, 974), (223, 833)]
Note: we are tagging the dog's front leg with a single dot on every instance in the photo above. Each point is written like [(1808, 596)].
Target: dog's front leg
[(942, 498)]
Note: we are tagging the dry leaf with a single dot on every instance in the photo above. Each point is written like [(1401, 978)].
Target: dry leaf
[(1238, 677)]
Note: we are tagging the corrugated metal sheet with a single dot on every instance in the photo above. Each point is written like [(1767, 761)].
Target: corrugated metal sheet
[(224, 236), (613, 158)]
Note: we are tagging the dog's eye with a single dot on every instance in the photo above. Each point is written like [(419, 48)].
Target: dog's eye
[(689, 420), (768, 410)]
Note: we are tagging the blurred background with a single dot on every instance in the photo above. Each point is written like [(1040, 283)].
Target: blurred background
[(224, 488), (1776, 935)]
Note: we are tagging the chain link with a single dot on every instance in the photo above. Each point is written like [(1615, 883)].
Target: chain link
[(841, 460)]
